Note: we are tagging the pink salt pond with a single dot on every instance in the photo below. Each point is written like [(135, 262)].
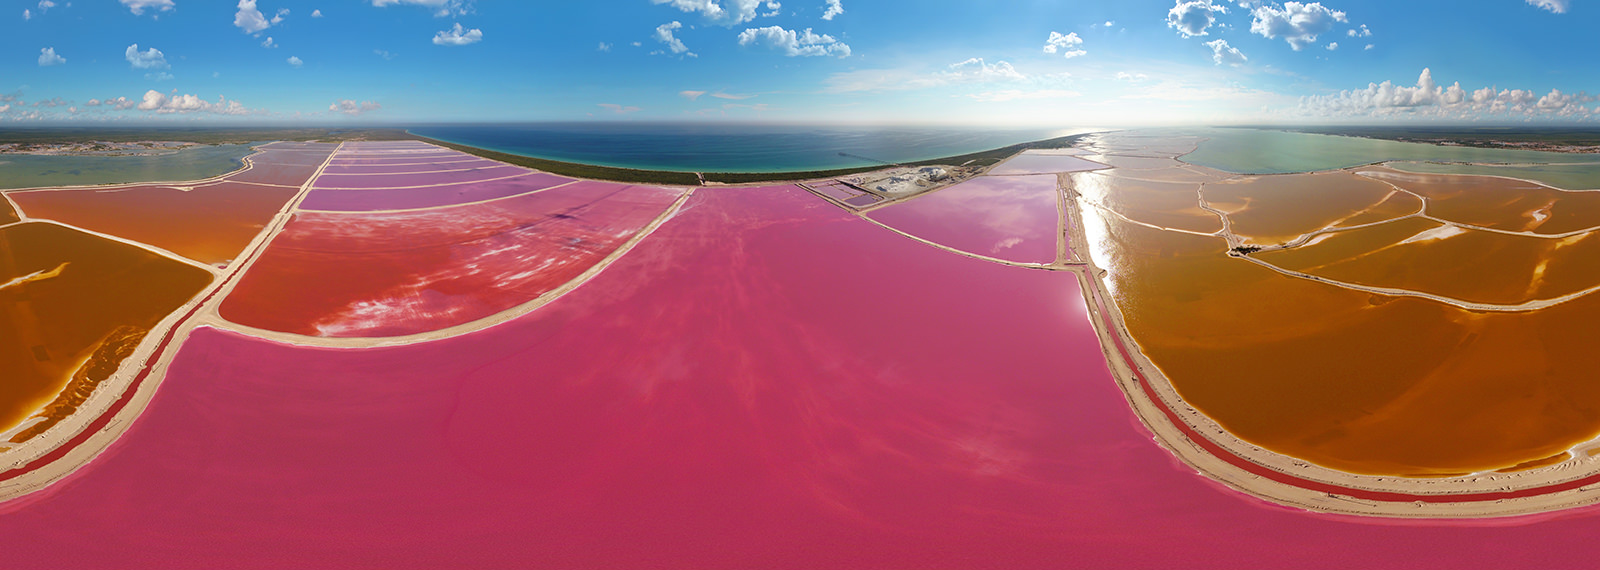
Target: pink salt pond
[(1013, 218), (707, 406), (1029, 163)]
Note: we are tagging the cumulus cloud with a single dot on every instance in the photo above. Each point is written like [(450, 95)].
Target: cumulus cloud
[(458, 36), (139, 6), (666, 34), (618, 109), (1222, 53), (833, 8), (269, 43), (605, 47), (794, 43), (48, 57), (1359, 32), (1429, 99), (1069, 45), (1557, 6), (249, 19), (1333, 46), (1299, 24), (1131, 77), (1192, 17), (727, 13), (149, 59), (441, 8), (295, 61), (158, 102), (316, 13), (352, 108)]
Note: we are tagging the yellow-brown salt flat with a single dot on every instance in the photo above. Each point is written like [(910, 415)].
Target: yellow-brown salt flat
[(1499, 203), (1169, 205), (66, 293), (1267, 210), (1470, 265), (1357, 382)]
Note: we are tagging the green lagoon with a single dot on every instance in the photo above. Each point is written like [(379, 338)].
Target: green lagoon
[(194, 163), (1243, 151)]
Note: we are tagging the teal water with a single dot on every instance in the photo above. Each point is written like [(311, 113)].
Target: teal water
[(729, 148), (30, 171), (1565, 176), (1251, 151)]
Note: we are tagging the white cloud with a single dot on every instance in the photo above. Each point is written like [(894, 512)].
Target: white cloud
[(1192, 17), (249, 19), (295, 61), (666, 34), (1369, 46), (605, 47), (619, 109), (794, 43), (458, 36), (158, 102), (1359, 32), (92, 103), (1022, 95), (1429, 99), (316, 13), (727, 13), (352, 108), (149, 59), (278, 18), (139, 6), (45, 6), (833, 8), (48, 57), (1222, 53), (441, 8), (269, 44), (1131, 77), (1299, 24), (775, 8), (1333, 46), (26, 14), (383, 54), (1069, 45), (976, 70), (118, 103), (1557, 6), (691, 95)]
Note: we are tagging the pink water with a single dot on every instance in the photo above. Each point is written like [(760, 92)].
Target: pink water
[(1015, 218), (767, 382)]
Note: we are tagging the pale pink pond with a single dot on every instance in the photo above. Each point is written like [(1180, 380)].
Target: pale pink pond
[(427, 196), (405, 180), (1015, 218), (1026, 163), (413, 167), (767, 382)]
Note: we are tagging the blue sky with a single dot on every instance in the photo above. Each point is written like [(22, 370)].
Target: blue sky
[(1038, 62)]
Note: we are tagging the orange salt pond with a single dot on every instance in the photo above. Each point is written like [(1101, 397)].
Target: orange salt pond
[(1349, 380), (210, 223), (1267, 210), (1169, 205), (1500, 203), (67, 298)]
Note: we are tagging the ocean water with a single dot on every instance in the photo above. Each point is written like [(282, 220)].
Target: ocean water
[(730, 148), (1251, 151), (29, 171)]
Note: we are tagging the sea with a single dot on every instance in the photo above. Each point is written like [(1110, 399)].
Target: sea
[(731, 148)]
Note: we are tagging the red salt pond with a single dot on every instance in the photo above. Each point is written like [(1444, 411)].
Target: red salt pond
[(734, 393), (401, 273), (1015, 218), (427, 196)]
